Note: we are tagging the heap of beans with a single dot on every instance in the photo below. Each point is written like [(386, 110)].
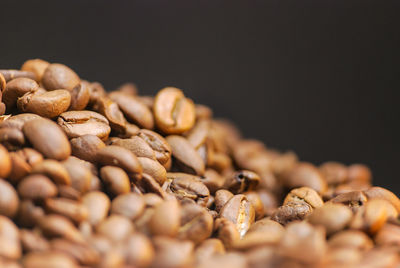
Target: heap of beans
[(118, 180)]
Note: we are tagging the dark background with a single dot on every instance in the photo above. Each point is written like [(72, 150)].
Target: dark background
[(321, 78)]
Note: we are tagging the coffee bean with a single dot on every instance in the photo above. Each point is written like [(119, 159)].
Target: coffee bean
[(221, 198), (160, 146), (242, 181), (118, 156), (85, 147), (3, 82), (334, 172), (153, 168), (33, 241), (139, 251), (334, 217), (79, 172), (97, 205), (226, 232), (351, 239), (304, 194), (13, 74), (48, 259), (172, 253), (291, 211), (129, 205), (166, 219), (18, 121), (209, 248), (59, 76), (231, 259), (359, 172), (257, 203), (36, 66), (186, 186), (110, 110), (79, 123), (83, 254), (10, 246), (186, 155), (48, 104), (388, 235), (305, 174), (115, 179), (173, 112), (353, 200), (29, 213), (134, 110), (136, 145), (9, 200), (5, 162), (54, 225), (36, 187), (11, 138), (115, 227), (382, 193), (17, 88), (54, 170), (80, 96), (48, 138), (71, 209), (148, 184)]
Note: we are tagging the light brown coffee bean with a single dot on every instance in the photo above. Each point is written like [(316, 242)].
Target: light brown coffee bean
[(134, 110), (48, 104), (291, 211), (187, 186), (208, 248), (304, 194), (239, 211), (18, 121), (212, 180), (5, 162), (36, 66), (71, 209), (382, 193), (351, 239), (17, 88), (85, 147), (388, 235), (118, 156), (196, 223), (80, 96), (48, 138), (115, 180), (226, 232), (54, 225), (242, 181), (36, 187), (166, 219), (79, 172), (148, 184), (353, 200), (172, 253), (97, 205), (83, 254), (3, 82), (110, 110), (29, 214), (334, 172), (333, 217), (128, 88), (305, 174), (186, 155), (257, 203), (231, 260), (154, 169), (54, 170), (32, 240), (79, 123), (159, 145), (139, 251), (173, 112), (270, 202), (136, 145), (11, 138), (48, 259), (59, 76), (116, 227), (359, 172), (9, 200), (129, 205), (10, 246), (221, 197), (13, 74)]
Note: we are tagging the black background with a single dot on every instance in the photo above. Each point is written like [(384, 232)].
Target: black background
[(321, 78)]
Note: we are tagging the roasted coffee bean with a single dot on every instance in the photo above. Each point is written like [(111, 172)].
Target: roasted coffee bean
[(115, 180), (10, 246), (139, 251), (242, 181), (85, 147), (148, 184), (18, 121), (351, 239), (304, 194), (353, 200), (334, 217), (110, 110), (333, 172), (172, 253), (3, 82), (49, 104), (154, 169), (79, 172), (48, 259), (97, 205), (209, 248), (226, 232), (231, 259), (36, 66), (9, 200), (36, 187), (305, 174), (17, 88), (129, 205), (160, 146), (13, 74), (382, 193), (136, 145), (80, 96), (83, 254), (270, 202), (118, 156), (54, 170), (33, 241), (240, 211), (115, 227), (127, 88), (221, 198), (48, 138), (71, 209), (173, 112), (359, 172), (79, 123), (11, 138), (186, 155), (212, 180), (29, 213), (291, 211), (5, 162), (59, 76), (166, 219), (388, 235), (134, 110), (186, 186), (257, 203), (54, 225)]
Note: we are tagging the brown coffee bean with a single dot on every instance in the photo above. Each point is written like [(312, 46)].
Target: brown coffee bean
[(382, 193), (208, 248), (115, 180), (373, 215), (83, 254), (388, 235), (196, 223), (148, 184), (36, 66), (29, 213), (32, 240), (342, 257), (54, 170), (166, 219), (139, 251), (305, 174), (291, 211), (3, 82), (48, 259), (13, 74), (334, 172), (304, 194), (79, 172), (136, 145), (270, 202), (154, 169), (17, 88), (334, 217), (79, 123), (186, 186), (97, 205), (212, 180), (48, 138), (198, 135), (110, 110), (186, 155), (239, 211), (18, 121), (5, 162), (10, 246), (229, 260), (359, 172), (80, 96), (172, 253), (129, 205), (9, 200), (379, 257), (242, 181), (49, 104), (59, 226), (159, 145), (128, 88), (351, 239), (226, 232), (222, 196), (257, 203), (118, 156), (36, 187), (71, 209), (301, 241), (134, 110), (12, 138), (116, 227), (353, 200), (59, 76), (174, 114), (86, 147)]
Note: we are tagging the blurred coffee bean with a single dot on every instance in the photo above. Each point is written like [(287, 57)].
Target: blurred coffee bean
[(11, 138), (71, 209), (129, 205), (33, 241), (334, 217), (36, 66), (5, 162), (10, 246), (48, 259), (305, 174), (37, 187), (54, 225), (97, 205), (172, 253), (9, 200), (166, 219), (110, 110), (351, 239), (139, 251), (115, 227), (54, 170), (85, 147), (80, 96), (154, 169), (115, 180)]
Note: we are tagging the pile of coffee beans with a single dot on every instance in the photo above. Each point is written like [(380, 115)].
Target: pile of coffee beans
[(90, 178)]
